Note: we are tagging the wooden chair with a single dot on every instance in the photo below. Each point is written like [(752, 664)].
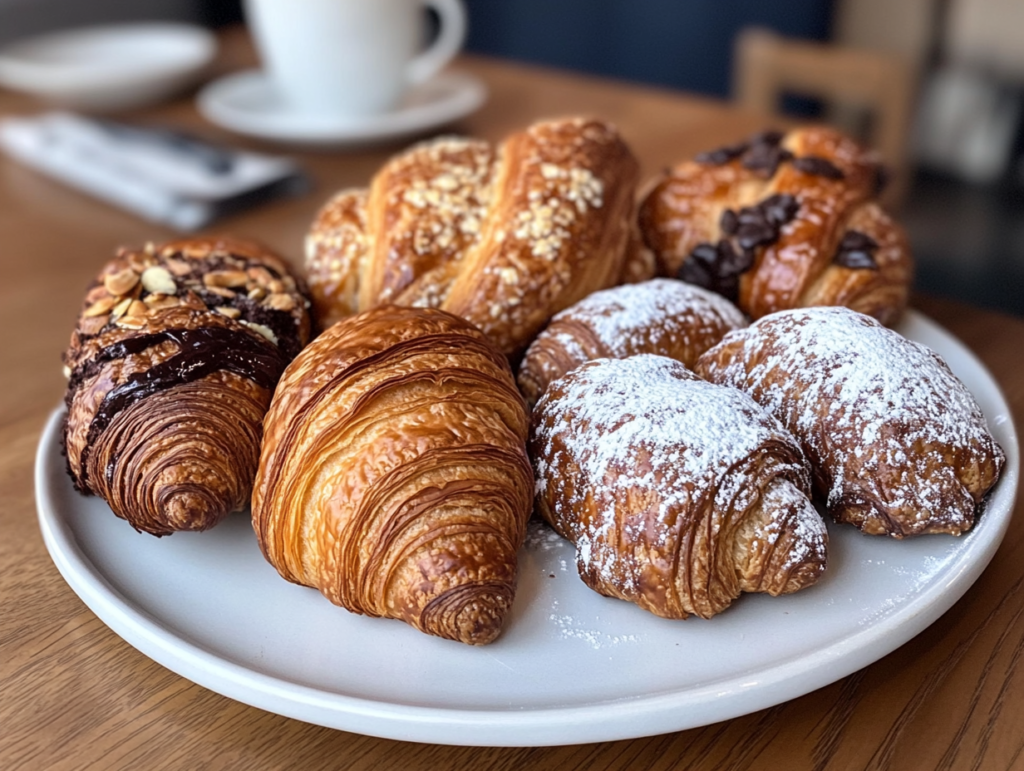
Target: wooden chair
[(768, 66)]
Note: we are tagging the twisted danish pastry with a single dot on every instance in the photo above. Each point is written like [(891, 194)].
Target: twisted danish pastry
[(679, 494), (503, 239), (394, 475), (171, 367), (782, 221), (898, 445), (661, 316)]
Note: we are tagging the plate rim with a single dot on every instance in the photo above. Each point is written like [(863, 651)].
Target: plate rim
[(605, 720)]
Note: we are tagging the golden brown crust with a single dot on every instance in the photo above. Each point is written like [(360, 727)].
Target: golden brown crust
[(394, 475), (502, 239), (171, 367), (662, 316), (678, 494), (799, 268), (898, 445)]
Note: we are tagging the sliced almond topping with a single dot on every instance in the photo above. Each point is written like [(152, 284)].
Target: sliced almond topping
[(121, 282), (231, 313), (178, 267), (257, 293), (191, 300), (225, 278), (221, 292), (139, 262), (158, 302), (100, 307), (267, 332), (280, 302), (276, 285), (131, 322), (260, 275), (137, 309), (121, 308), (158, 280), (67, 372)]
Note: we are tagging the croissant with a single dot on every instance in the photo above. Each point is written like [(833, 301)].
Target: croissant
[(782, 221), (503, 239), (171, 368), (661, 316), (898, 445), (394, 476), (678, 494)]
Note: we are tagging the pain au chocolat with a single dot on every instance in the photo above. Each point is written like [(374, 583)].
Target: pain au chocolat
[(171, 368), (783, 220), (504, 238), (394, 476)]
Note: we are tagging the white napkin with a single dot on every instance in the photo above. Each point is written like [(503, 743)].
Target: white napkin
[(160, 174)]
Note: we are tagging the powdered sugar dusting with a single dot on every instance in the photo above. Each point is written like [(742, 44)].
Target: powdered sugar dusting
[(875, 412), (648, 452)]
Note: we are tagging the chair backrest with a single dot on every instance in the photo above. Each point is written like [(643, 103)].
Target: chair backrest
[(768, 66)]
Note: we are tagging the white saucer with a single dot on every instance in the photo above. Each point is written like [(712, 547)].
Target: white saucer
[(109, 67), (246, 103)]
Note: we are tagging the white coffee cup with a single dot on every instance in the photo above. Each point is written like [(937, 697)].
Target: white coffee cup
[(351, 57)]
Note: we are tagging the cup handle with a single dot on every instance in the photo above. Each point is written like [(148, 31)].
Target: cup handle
[(452, 35)]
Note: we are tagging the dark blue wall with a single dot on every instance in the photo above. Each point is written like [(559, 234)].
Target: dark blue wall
[(681, 43)]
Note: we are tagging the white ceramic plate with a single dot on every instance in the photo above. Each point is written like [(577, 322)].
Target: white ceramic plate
[(571, 666), (108, 67), (246, 103)]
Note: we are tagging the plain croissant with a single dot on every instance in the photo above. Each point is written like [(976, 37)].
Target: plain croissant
[(504, 239), (394, 476), (171, 367), (782, 221), (679, 494)]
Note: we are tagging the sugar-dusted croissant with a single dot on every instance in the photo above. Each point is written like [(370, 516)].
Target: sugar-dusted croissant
[(679, 494), (661, 316), (171, 368), (394, 476), (897, 443), (782, 221), (504, 239)]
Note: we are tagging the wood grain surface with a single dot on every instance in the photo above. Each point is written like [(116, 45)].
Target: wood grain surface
[(73, 695)]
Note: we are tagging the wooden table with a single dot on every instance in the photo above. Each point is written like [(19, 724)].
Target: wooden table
[(73, 695)]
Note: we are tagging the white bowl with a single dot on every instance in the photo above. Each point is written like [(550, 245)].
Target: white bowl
[(109, 67)]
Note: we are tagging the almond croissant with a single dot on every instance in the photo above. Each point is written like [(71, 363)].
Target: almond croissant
[(394, 476), (661, 316), (171, 367), (782, 221), (897, 443), (504, 238), (679, 494)]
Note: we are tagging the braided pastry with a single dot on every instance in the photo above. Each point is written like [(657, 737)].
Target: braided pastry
[(679, 494), (661, 316), (394, 476), (503, 239), (782, 221), (171, 368), (898, 445)]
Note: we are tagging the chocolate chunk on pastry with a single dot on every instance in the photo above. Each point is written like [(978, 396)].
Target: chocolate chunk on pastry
[(504, 238), (662, 316), (171, 368), (394, 476), (678, 494), (785, 220), (898, 445)]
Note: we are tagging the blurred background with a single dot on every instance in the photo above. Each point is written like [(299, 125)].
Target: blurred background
[(938, 85)]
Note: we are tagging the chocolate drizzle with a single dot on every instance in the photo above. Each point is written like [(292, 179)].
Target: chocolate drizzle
[(856, 251), (718, 266), (201, 352)]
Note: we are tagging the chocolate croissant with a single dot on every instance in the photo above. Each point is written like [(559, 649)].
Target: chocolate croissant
[(504, 239), (782, 221), (171, 368), (394, 476), (679, 494), (898, 445), (661, 316)]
